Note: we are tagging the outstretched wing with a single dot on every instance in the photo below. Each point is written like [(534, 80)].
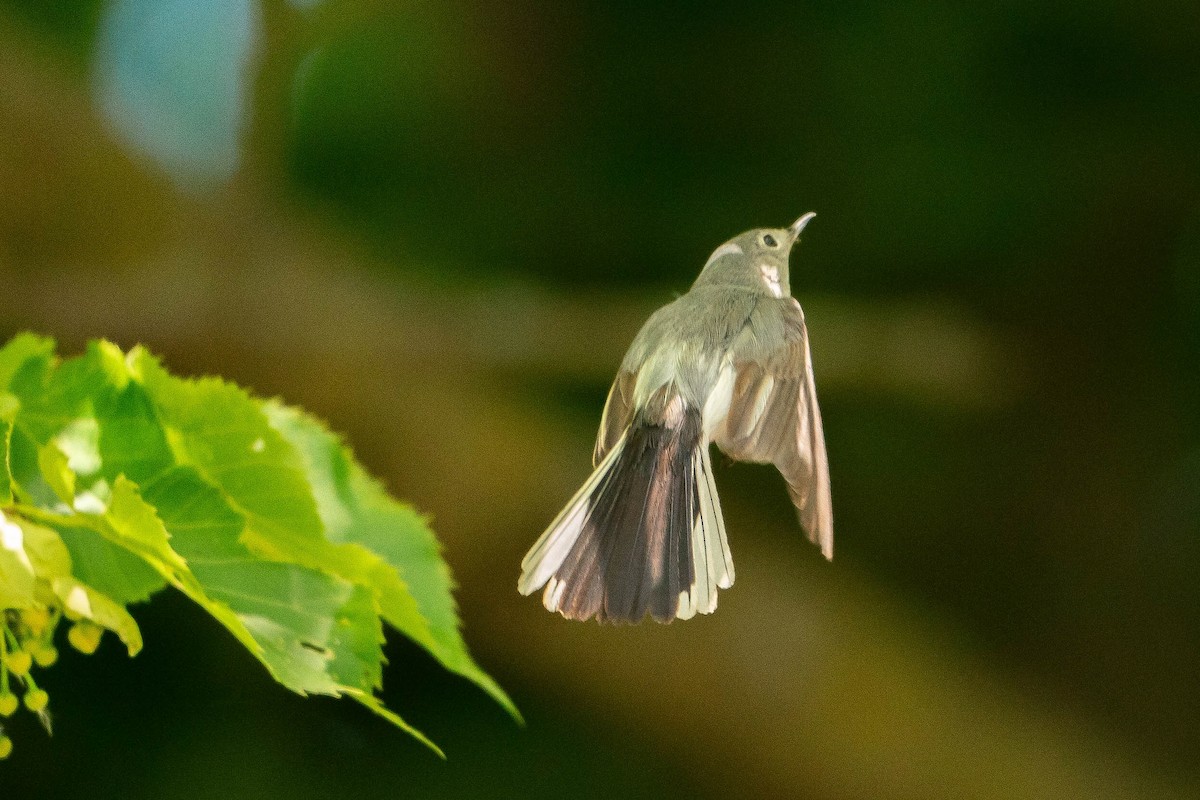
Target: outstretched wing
[(773, 415), (618, 413)]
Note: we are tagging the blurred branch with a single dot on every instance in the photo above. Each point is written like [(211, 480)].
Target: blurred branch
[(918, 350), (75, 204)]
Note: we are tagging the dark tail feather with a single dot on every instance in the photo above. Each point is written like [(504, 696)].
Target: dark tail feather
[(619, 568), (640, 536)]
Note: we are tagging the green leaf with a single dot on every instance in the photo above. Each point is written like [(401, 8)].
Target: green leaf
[(92, 410), (356, 642), (16, 570), (55, 469), (225, 435), (412, 581), (291, 613), (221, 431), (257, 594), (108, 567), (315, 633), (28, 483), (54, 435), (131, 439), (46, 551), (135, 525), (376, 705), (121, 479), (23, 347), (8, 411), (52, 563), (51, 396), (130, 523)]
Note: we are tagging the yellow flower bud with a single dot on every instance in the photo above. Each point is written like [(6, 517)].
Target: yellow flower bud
[(36, 699), (85, 636), (18, 663), (36, 619), (45, 656)]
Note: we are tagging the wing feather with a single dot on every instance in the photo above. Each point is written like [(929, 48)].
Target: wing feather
[(774, 418)]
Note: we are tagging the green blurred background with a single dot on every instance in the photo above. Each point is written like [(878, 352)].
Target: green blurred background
[(438, 224)]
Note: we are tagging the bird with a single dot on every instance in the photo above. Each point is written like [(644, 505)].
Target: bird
[(726, 363)]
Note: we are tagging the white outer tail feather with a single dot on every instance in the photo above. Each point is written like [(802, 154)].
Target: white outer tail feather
[(553, 546), (712, 563)]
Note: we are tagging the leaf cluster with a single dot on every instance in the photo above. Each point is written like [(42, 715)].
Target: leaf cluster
[(118, 480)]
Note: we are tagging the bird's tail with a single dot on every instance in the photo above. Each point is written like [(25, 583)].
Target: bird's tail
[(643, 535)]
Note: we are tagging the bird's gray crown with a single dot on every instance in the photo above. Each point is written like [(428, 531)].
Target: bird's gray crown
[(755, 260)]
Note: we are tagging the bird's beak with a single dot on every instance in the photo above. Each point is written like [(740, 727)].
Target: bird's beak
[(799, 224)]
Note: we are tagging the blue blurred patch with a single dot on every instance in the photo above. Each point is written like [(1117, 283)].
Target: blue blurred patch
[(172, 78)]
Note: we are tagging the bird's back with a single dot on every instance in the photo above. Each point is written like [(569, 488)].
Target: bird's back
[(686, 341)]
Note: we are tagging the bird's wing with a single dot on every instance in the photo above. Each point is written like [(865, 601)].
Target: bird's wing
[(618, 413), (773, 415)]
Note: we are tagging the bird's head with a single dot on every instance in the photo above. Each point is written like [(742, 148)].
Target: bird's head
[(756, 259)]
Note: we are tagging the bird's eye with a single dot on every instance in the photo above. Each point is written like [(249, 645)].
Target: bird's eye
[(769, 241)]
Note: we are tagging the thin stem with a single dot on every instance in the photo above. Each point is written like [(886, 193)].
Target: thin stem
[(51, 626), (4, 660), (11, 637), (42, 515)]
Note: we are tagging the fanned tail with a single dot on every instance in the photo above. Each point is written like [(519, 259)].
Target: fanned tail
[(643, 535)]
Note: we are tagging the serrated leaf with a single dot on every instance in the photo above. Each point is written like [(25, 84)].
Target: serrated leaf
[(413, 582), (290, 611), (145, 479), (247, 595), (230, 439), (51, 395), (225, 434), (108, 567), (132, 440), (137, 527), (131, 523), (356, 642), (204, 528), (91, 409), (51, 403), (87, 418), (315, 633), (376, 705), (221, 431)]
